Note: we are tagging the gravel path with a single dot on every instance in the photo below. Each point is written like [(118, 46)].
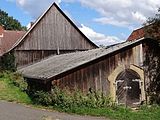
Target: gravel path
[(13, 111)]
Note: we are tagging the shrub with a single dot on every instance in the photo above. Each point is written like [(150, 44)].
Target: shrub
[(66, 100), (43, 98), (7, 62), (15, 78), (19, 81)]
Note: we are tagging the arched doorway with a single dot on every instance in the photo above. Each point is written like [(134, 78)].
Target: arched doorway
[(128, 88)]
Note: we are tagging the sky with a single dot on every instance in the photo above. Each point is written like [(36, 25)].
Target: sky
[(105, 22)]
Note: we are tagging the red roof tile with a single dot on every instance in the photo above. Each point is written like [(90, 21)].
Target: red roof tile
[(8, 38), (136, 34)]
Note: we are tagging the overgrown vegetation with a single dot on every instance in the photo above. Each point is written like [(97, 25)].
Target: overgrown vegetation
[(152, 60), (152, 26), (12, 88), (66, 100), (94, 104), (7, 62)]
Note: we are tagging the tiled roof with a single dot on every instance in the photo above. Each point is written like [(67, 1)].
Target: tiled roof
[(56, 65), (8, 38), (136, 34)]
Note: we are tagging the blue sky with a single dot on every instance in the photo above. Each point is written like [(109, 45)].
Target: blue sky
[(103, 21)]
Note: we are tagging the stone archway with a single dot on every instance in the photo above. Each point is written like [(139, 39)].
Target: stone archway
[(113, 76), (128, 91)]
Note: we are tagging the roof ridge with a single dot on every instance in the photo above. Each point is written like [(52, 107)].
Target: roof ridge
[(40, 18), (30, 29)]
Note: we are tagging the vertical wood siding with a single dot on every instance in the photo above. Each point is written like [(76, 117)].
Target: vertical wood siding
[(95, 76), (53, 32), (25, 57)]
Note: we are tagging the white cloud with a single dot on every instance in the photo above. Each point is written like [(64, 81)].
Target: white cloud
[(139, 17), (111, 20), (99, 38), (123, 13), (35, 7)]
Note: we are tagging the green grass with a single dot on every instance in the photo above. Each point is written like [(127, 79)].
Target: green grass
[(119, 113), (9, 92)]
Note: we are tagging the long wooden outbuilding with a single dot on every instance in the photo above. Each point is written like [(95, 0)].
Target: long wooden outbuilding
[(112, 71)]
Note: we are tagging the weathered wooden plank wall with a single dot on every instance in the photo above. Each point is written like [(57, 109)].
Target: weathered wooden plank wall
[(95, 75), (25, 57), (53, 32)]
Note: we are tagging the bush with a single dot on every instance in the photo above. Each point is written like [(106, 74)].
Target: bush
[(19, 81), (15, 78), (43, 98), (7, 62), (66, 100)]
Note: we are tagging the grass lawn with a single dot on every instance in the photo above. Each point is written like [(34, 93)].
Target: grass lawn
[(10, 92), (120, 113)]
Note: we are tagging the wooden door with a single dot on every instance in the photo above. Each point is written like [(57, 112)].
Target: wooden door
[(128, 88)]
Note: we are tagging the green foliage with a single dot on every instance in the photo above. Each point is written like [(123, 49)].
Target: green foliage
[(42, 98), (152, 26), (95, 103), (8, 90), (18, 81), (7, 62), (15, 79), (9, 23), (67, 101), (152, 70), (152, 60)]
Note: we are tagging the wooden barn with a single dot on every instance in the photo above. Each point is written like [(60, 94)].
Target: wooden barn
[(120, 71), (54, 52), (53, 33)]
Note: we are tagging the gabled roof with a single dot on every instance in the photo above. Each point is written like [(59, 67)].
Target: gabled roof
[(41, 17), (59, 64), (136, 34), (8, 38)]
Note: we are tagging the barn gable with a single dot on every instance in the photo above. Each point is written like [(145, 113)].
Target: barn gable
[(52, 31)]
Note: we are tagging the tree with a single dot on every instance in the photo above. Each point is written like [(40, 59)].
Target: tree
[(152, 60), (152, 26), (9, 23)]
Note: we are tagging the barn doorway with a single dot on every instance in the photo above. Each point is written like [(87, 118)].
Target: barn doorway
[(128, 88)]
